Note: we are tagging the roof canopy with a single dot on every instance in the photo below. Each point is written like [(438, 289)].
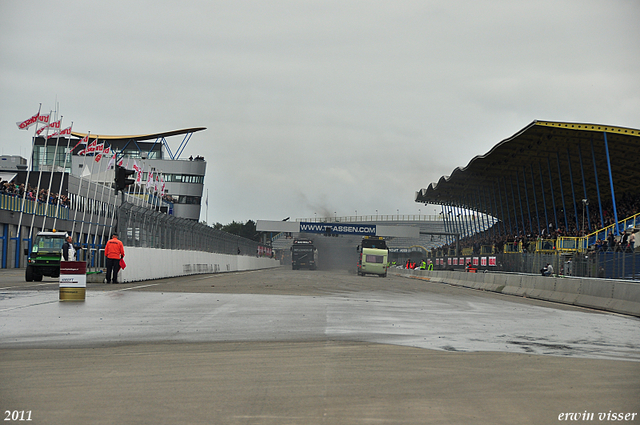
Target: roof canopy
[(140, 137), (545, 163)]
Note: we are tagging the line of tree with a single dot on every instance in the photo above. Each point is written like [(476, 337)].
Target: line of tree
[(246, 230)]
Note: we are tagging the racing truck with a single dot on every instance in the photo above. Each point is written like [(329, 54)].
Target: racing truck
[(44, 258), (303, 255), (373, 256)]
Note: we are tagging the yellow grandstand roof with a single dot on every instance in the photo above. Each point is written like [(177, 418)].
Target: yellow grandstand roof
[(139, 137), (516, 169)]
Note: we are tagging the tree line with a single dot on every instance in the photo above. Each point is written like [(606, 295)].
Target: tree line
[(246, 230)]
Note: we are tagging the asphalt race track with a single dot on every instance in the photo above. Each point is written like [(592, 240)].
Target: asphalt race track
[(300, 347)]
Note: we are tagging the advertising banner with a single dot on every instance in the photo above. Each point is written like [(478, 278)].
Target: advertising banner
[(338, 228), (73, 280)]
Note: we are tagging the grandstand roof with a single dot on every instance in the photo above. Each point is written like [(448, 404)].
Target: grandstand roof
[(514, 170), (140, 137)]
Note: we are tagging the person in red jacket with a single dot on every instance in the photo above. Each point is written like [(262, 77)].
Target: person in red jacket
[(113, 252)]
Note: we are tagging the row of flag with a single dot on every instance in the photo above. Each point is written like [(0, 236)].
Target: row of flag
[(99, 150), (48, 124)]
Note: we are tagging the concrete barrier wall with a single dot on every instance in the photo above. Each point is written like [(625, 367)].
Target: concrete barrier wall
[(602, 294), (148, 263)]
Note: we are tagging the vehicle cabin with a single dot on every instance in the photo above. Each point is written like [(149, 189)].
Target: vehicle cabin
[(304, 255), (44, 258), (373, 256)]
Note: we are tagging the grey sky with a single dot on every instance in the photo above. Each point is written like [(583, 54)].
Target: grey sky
[(319, 106)]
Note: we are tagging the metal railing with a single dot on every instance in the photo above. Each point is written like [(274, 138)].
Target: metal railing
[(14, 203), (142, 227), (595, 264), (370, 218)]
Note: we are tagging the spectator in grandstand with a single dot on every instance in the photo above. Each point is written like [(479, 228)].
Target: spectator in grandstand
[(623, 242), (611, 241)]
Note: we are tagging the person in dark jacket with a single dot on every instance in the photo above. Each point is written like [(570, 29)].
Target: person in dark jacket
[(69, 250)]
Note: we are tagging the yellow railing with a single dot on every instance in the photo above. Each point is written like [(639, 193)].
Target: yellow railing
[(569, 244), (486, 249), (546, 245), (602, 234), (512, 247)]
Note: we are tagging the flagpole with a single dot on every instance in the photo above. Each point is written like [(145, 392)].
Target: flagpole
[(26, 186), (104, 186), (75, 212), (115, 201), (84, 212), (53, 168), (64, 168), (35, 204), (95, 192), (138, 186)]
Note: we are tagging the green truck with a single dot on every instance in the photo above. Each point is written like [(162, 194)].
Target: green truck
[(44, 258)]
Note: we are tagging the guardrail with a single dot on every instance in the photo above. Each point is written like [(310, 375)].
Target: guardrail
[(14, 203), (370, 218), (602, 234)]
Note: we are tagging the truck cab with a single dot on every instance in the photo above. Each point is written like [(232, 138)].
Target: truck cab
[(303, 255), (44, 258)]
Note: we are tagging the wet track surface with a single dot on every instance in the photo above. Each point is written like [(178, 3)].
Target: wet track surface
[(282, 305)]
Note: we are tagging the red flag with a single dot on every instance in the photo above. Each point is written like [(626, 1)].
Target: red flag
[(138, 172), (92, 146), (111, 161), (82, 141), (44, 119), (55, 124), (63, 133), (28, 123)]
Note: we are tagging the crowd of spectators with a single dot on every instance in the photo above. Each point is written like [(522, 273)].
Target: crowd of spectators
[(32, 194), (627, 206)]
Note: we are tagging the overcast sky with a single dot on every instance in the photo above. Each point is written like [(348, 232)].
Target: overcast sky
[(319, 107)]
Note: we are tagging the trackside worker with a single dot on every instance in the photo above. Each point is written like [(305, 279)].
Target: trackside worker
[(430, 265), (113, 251), (423, 265)]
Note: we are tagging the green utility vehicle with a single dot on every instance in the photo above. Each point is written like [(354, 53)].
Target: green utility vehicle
[(44, 258)]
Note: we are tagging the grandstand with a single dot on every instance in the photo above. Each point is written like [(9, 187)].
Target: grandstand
[(566, 191)]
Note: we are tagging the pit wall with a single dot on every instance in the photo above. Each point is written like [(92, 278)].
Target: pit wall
[(603, 294), (149, 263)]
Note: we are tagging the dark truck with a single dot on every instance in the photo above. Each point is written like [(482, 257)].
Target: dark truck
[(303, 255), (44, 258)]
